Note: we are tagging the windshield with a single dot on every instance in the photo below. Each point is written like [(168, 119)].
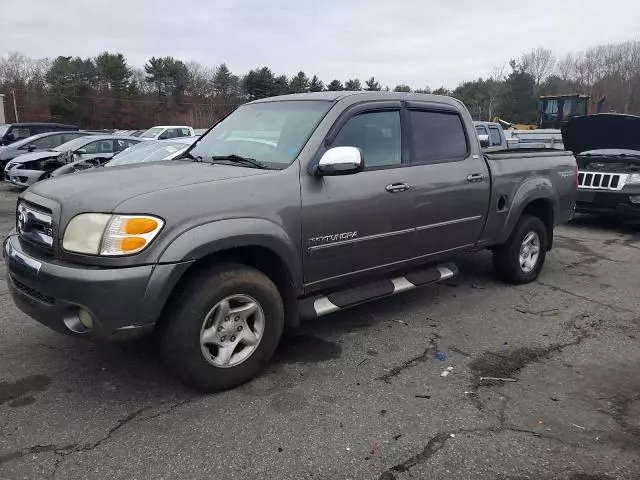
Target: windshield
[(272, 133), (150, 151), (74, 144), (152, 132)]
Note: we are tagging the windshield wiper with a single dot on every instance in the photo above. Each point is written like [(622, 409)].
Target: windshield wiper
[(195, 158), (246, 161)]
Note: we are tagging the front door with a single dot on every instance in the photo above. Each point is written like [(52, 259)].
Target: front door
[(450, 182), (354, 224)]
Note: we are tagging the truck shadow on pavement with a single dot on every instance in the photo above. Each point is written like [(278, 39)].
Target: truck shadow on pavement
[(135, 368)]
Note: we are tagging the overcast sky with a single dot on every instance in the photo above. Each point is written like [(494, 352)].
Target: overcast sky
[(439, 42)]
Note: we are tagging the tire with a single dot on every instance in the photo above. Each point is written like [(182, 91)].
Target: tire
[(506, 258), (196, 315)]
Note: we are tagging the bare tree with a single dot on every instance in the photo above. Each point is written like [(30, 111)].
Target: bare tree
[(566, 67), (495, 84), (539, 63)]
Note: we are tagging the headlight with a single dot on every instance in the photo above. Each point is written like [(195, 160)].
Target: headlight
[(109, 235), (633, 179)]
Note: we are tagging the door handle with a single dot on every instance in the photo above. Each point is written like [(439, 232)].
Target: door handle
[(475, 177), (397, 187)]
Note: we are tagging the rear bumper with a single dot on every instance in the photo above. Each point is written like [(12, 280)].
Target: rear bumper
[(123, 303), (626, 204)]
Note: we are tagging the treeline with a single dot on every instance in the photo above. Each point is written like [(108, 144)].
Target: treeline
[(107, 92)]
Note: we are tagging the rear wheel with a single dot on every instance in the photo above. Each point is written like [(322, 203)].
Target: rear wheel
[(521, 258), (222, 327)]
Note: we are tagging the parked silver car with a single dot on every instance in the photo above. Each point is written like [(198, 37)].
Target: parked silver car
[(148, 151), (29, 168)]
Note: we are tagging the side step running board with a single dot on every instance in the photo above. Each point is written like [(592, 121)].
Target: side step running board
[(318, 306)]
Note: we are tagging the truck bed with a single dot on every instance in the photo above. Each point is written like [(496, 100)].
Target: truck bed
[(518, 174)]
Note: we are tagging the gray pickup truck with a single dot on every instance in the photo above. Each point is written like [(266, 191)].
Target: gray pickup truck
[(293, 206)]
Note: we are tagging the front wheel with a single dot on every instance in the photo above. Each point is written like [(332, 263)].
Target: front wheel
[(222, 327), (521, 258)]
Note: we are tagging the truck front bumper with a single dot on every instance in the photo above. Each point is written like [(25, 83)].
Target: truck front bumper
[(624, 204), (105, 303)]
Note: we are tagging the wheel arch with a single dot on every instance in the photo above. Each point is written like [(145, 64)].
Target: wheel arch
[(255, 243), (535, 197)]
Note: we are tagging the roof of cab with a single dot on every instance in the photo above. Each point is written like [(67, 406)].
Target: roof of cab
[(365, 96)]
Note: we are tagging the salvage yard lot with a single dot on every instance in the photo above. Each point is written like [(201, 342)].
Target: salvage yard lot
[(360, 394)]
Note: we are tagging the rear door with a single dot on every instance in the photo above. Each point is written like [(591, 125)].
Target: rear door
[(450, 185), (356, 224)]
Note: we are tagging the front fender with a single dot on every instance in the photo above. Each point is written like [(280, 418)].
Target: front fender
[(537, 188), (216, 236)]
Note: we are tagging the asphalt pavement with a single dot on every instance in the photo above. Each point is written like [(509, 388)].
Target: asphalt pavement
[(360, 394)]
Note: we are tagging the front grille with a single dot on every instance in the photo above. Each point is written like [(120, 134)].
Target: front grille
[(34, 224), (31, 292), (601, 181)]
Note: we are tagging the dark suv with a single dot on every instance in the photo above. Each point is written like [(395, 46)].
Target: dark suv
[(17, 131)]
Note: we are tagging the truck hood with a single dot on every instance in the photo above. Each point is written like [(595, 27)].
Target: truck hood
[(102, 189), (28, 157), (602, 131)]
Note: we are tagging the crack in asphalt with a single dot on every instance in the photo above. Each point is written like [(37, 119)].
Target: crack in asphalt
[(501, 364), (171, 408), (439, 441), (551, 312), (619, 412), (64, 450), (423, 357), (35, 449), (121, 423), (615, 308)]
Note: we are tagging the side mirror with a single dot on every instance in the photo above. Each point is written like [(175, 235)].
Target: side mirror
[(80, 151), (340, 161), (484, 141), (31, 148)]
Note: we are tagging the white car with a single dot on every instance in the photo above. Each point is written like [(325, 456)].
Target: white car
[(166, 132)]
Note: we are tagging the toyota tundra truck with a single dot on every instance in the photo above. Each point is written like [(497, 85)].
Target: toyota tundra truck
[(291, 207)]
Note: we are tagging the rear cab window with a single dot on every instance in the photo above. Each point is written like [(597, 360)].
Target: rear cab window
[(494, 134), (480, 130), (437, 137)]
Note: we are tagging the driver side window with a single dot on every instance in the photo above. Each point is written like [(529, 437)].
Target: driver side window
[(377, 134)]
